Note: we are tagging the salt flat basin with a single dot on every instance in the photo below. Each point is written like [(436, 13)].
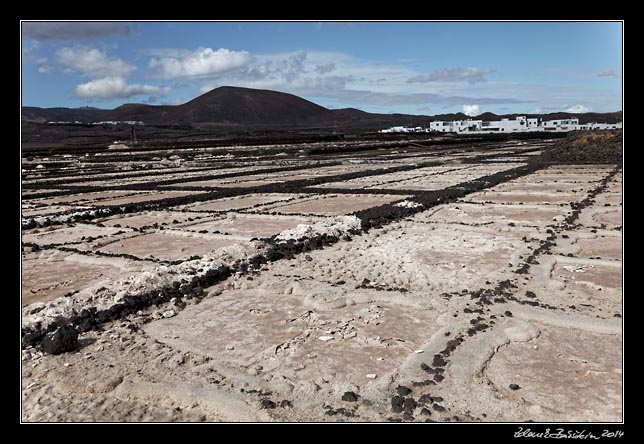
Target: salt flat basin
[(572, 372)]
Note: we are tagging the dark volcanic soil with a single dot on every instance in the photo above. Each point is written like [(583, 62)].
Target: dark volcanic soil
[(587, 147)]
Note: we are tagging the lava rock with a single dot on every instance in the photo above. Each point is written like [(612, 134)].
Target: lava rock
[(402, 390), (514, 386), (349, 397), (439, 361), (63, 339), (530, 294), (397, 404), (409, 404), (408, 416), (438, 407), (508, 313), (268, 404)]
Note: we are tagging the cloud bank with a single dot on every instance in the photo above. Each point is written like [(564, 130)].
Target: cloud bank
[(115, 87), (91, 62), (470, 75), (201, 62)]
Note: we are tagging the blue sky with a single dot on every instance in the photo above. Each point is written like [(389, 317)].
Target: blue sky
[(405, 67)]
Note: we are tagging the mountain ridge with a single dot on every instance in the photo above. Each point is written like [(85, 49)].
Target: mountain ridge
[(236, 106)]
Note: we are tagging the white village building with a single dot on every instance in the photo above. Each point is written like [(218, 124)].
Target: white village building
[(520, 124)]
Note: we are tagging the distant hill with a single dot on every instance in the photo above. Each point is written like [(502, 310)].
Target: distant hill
[(44, 115), (234, 106), (137, 112)]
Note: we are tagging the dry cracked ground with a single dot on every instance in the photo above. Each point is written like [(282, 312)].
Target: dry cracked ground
[(462, 282)]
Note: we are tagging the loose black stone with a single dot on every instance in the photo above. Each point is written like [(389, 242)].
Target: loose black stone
[(438, 377), (514, 386), (286, 403), (268, 404), (530, 294), (409, 404), (439, 361), (408, 416), (438, 407), (425, 399), (350, 397), (397, 404), (425, 411), (402, 390), (31, 338), (508, 313), (63, 339)]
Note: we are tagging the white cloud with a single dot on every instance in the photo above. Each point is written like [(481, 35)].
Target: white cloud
[(471, 110), (92, 62), (470, 75), (201, 62), (115, 88), (74, 30), (45, 69), (353, 82), (325, 68), (607, 73), (577, 109)]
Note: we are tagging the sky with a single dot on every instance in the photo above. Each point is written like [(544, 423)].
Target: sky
[(423, 68)]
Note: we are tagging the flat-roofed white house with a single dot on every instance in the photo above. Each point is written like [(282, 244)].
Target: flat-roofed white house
[(520, 124)]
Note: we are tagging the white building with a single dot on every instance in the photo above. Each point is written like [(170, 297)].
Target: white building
[(561, 125), (520, 124), (403, 129)]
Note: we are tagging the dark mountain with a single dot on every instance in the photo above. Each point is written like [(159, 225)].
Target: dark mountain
[(613, 117), (44, 115), (245, 108), (232, 105), (137, 112)]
